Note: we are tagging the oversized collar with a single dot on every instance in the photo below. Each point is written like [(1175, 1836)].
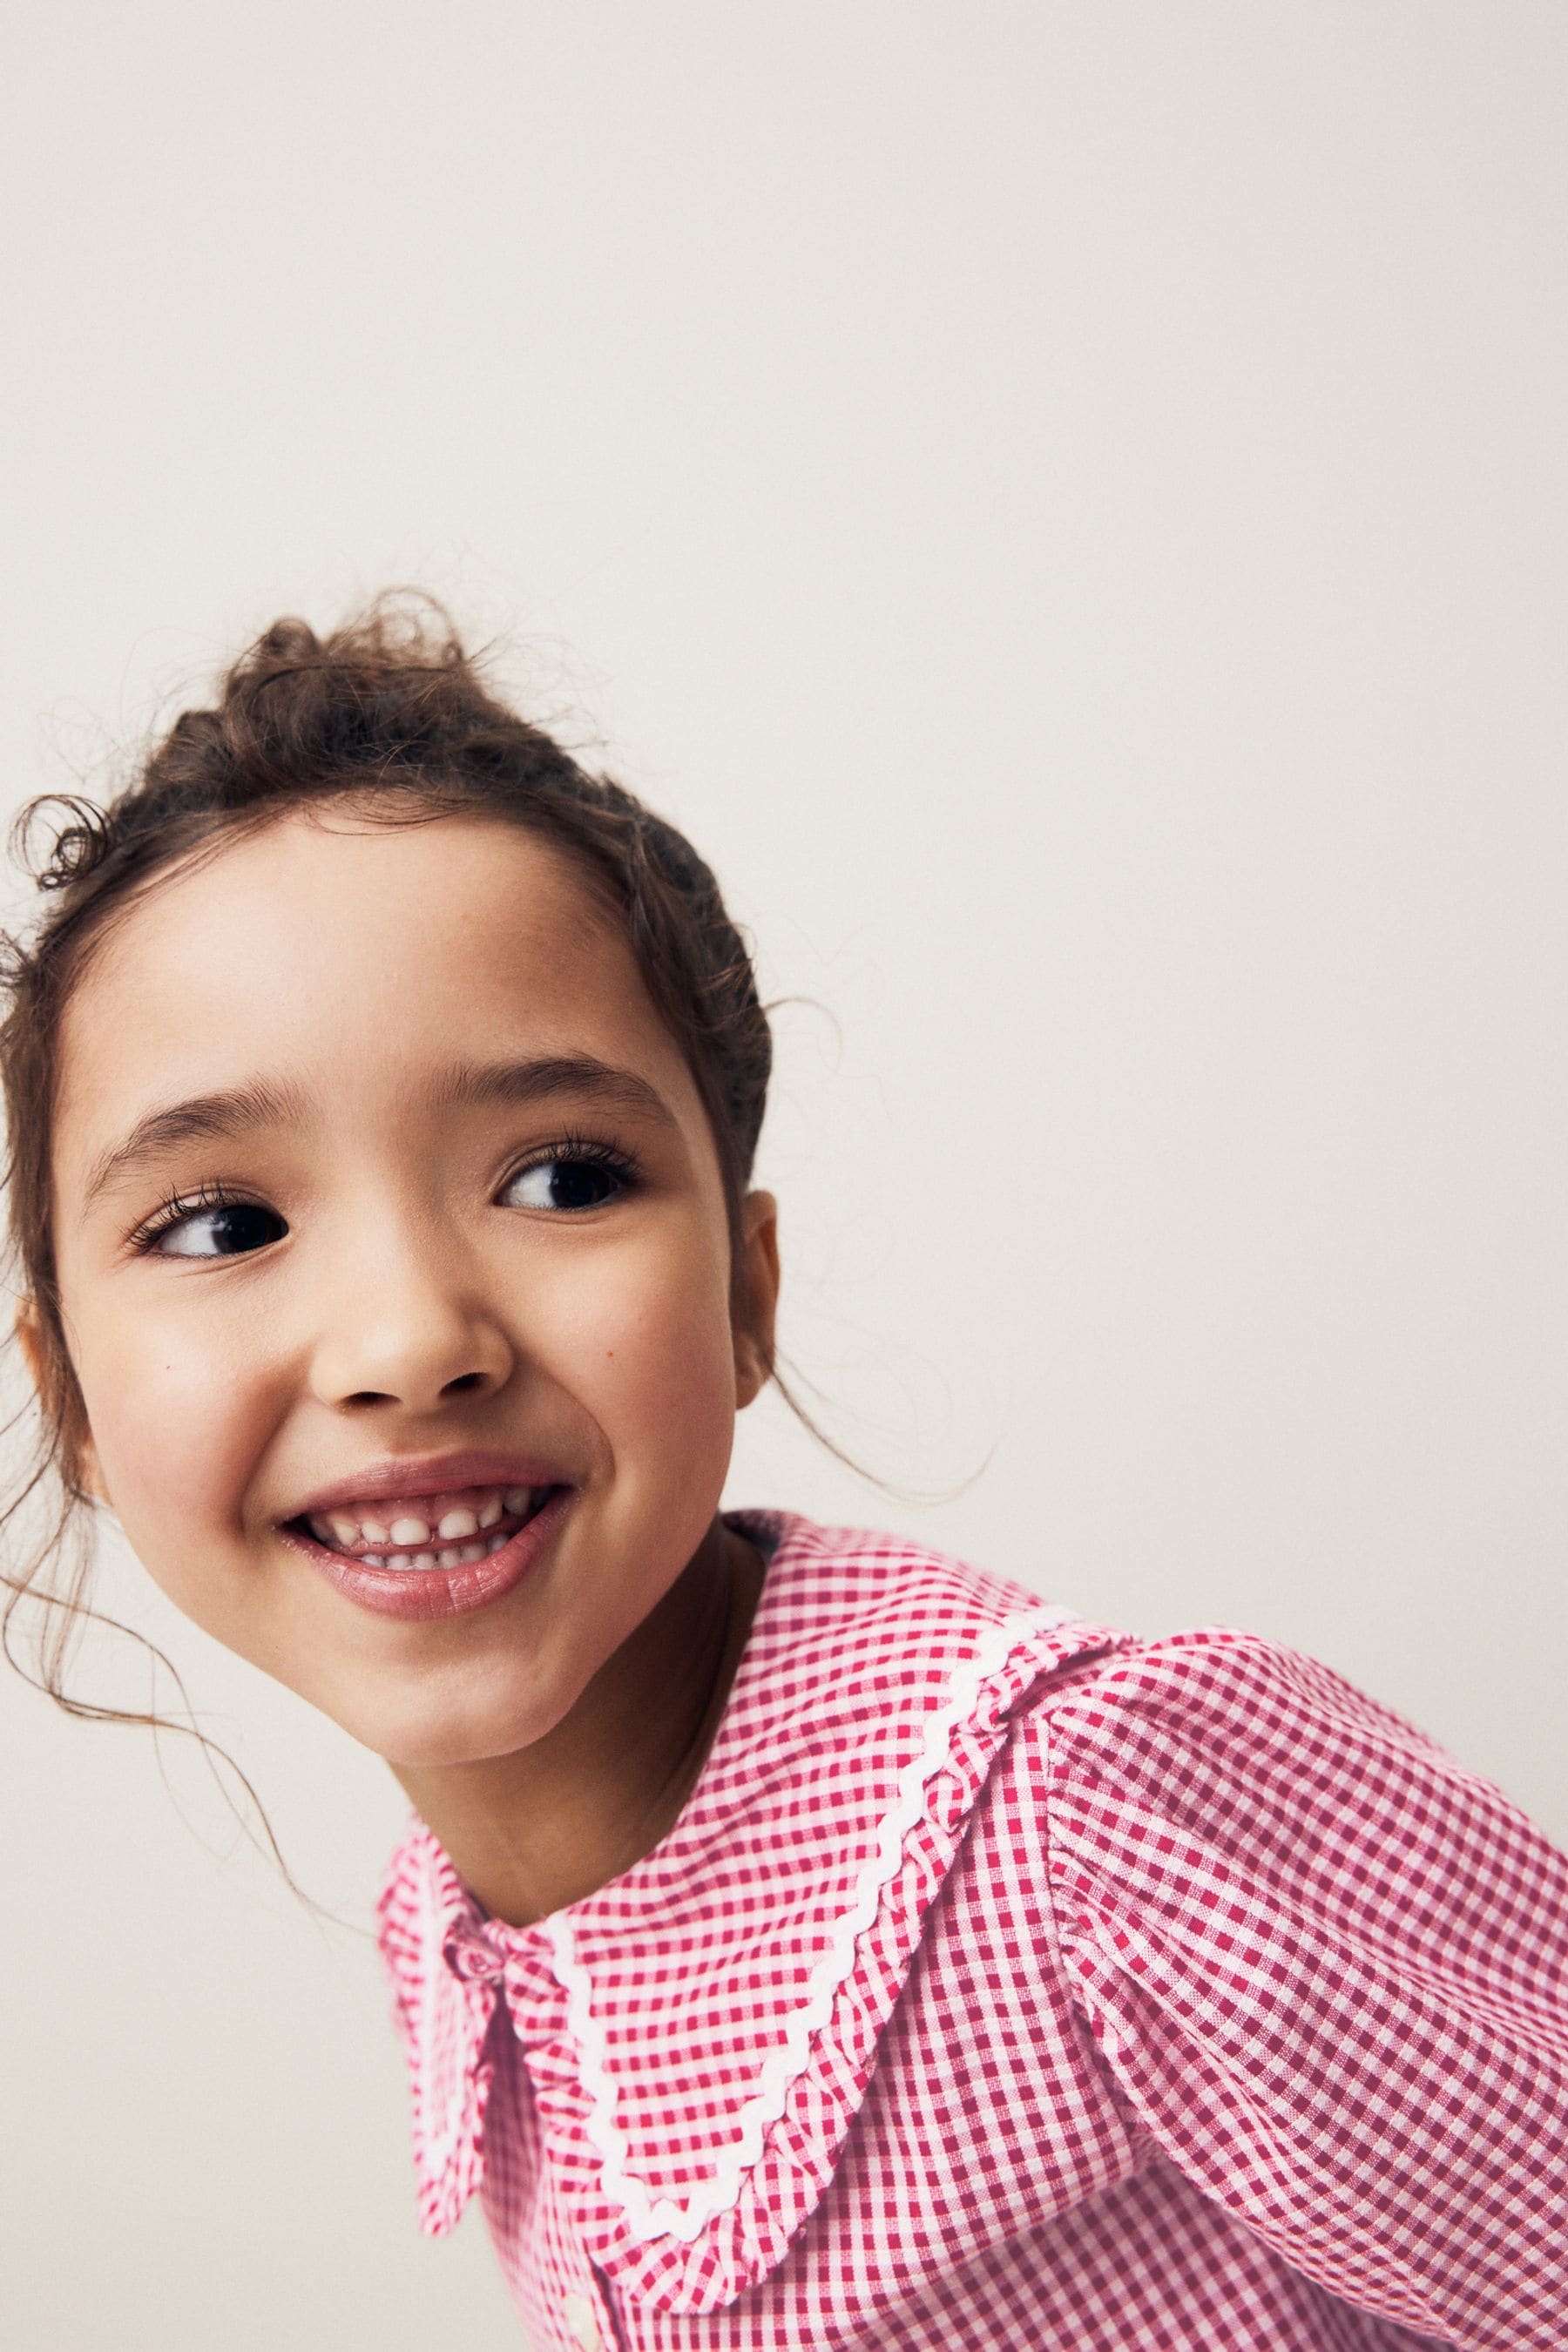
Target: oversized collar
[(700, 2031)]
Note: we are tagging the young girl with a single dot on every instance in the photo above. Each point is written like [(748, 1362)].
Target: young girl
[(800, 1938)]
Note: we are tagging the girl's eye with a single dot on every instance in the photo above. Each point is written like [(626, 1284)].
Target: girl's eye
[(182, 1228), (575, 1178)]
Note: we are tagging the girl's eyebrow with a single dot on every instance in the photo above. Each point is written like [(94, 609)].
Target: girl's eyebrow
[(262, 1102), (265, 1102), (467, 1084)]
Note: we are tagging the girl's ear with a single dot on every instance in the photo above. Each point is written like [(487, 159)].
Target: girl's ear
[(27, 1334), (32, 1348), (759, 1288)]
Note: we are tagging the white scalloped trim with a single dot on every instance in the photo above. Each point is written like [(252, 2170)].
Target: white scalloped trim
[(666, 2219)]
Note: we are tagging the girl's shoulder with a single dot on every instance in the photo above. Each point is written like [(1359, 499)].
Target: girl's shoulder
[(864, 1612), (868, 1611), (866, 1623)]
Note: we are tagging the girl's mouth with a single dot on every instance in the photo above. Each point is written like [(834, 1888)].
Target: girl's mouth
[(413, 1572)]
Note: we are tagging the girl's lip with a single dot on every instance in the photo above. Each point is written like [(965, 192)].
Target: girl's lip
[(426, 1473), (433, 1592)]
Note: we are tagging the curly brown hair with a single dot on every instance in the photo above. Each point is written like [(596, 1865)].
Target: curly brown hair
[(390, 716)]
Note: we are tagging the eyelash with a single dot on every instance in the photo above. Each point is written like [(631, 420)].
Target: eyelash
[(179, 1205), (216, 1194)]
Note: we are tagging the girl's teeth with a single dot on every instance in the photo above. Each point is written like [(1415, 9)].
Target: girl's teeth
[(411, 1536), (449, 1556)]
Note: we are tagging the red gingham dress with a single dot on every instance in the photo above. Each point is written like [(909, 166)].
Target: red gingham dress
[(1010, 1981)]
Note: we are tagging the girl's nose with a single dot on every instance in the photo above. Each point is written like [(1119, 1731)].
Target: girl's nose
[(400, 1331)]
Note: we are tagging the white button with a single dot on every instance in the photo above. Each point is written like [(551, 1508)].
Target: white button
[(579, 2319)]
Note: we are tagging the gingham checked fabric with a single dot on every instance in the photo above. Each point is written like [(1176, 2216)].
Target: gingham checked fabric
[(1010, 1980)]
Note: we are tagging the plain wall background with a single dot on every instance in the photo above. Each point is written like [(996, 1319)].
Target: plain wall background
[(1065, 505)]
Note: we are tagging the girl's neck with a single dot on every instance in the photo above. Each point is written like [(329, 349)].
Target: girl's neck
[(532, 1832)]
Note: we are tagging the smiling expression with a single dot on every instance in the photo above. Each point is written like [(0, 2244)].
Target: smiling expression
[(464, 1197)]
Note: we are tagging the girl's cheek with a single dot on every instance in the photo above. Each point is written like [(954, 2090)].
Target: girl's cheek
[(174, 1439), (651, 1357)]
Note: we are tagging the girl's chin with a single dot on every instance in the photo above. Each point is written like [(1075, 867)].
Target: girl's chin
[(423, 1738)]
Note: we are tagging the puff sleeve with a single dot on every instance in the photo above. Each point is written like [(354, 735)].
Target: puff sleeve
[(1325, 1968)]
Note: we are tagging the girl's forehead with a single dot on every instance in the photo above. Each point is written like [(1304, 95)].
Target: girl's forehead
[(328, 858), (356, 948)]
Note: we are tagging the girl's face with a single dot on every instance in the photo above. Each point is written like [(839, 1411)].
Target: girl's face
[(469, 1201)]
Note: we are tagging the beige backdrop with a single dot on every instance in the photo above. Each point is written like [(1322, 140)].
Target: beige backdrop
[(1066, 504)]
